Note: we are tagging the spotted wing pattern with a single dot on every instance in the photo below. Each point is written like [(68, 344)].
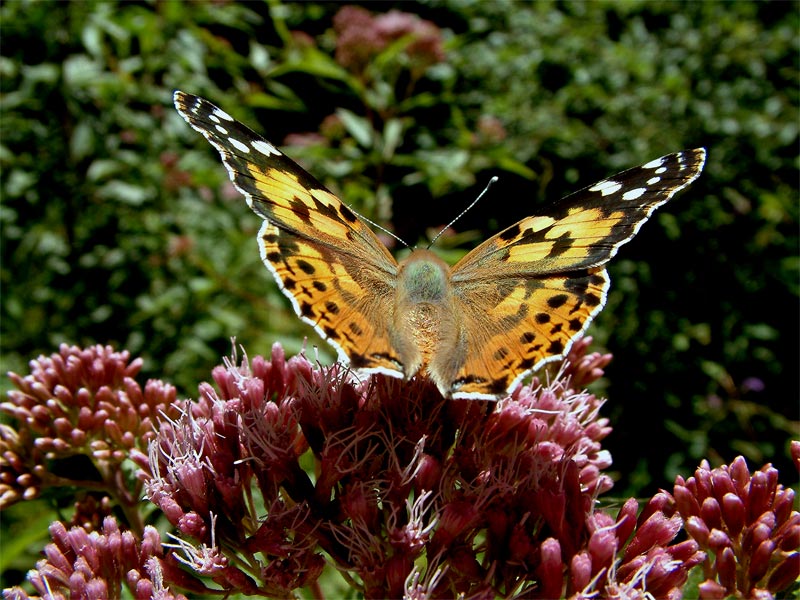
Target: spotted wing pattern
[(516, 302), (322, 256), (542, 281)]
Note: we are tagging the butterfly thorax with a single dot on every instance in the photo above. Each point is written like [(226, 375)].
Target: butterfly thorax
[(425, 326)]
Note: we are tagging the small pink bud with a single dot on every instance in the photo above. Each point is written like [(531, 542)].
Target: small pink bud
[(758, 500), (718, 539), (656, 531), (580, 571), (550, 569), (788, 536), (662, 503), (783, 504), (688, 552), (785, 573), (711, 513), (754, 535), (726, 568), (733, 513), (627, 520), (702, 478), (759, 560), (711, 590), (722, 483), (429, 473), (602, 548), (192, 524), (697, 528), (794, 450)]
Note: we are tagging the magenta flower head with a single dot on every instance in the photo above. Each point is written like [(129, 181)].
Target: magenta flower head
[(361, 36), (401, 473), (80, 403), (99, 564), (283, 468), (746, 522)]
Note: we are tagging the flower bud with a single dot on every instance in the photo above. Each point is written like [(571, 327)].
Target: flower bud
[(550, 570), (733, 513), (711, 513)]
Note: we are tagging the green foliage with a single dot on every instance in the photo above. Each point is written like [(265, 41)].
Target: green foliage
[(119, 225)]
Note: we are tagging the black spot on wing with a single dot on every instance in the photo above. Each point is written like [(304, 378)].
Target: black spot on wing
[(358, 361), (500, 354), (510, 233), (384, 357), (270, 238), (561, 244), (300, 209), (307, 310), (498, 386), (348, 214), (306, 267), (512, 320), (591, 299), (557, 301), (556, 347), (542, 318)]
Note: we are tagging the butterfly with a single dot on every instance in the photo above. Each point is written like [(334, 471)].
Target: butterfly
[(517, 301)]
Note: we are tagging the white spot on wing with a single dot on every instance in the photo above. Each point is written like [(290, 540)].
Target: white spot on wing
[(221, 129), (213, 117), (653, 180), (661, 170), (239, 145), (265, 148), (606, 187), (654, 164), (633, 194), (222, 114)]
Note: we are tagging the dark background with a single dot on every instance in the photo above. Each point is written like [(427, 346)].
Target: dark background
[(119, 225)]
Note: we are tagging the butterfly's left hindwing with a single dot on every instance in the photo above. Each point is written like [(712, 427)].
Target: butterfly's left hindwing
[(333, 268)]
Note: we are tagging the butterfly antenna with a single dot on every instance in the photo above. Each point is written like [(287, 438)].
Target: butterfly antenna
[(463, 212), (382, 228)]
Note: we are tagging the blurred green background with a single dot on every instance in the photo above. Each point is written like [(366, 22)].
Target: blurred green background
[(119, 225)]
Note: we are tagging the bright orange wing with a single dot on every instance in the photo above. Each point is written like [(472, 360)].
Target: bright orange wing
[(339, 277), (529, 292)]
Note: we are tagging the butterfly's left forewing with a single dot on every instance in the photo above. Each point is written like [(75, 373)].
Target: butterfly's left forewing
[(337, 274), (540, 282)]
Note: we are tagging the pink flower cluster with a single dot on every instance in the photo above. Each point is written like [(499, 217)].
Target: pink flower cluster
[(80, 564), (361, 36), (79, 402), (747, 522), (410, 494)]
